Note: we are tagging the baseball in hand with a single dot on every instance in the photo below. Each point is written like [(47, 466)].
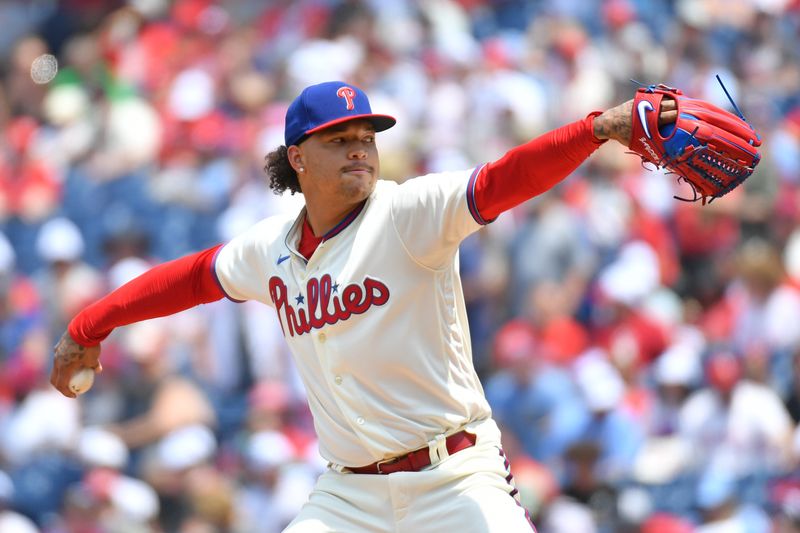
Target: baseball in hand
[(81, 381)]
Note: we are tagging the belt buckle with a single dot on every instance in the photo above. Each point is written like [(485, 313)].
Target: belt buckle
[(386, 462)]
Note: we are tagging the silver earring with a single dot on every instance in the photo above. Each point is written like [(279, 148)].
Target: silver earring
[(302, 169)]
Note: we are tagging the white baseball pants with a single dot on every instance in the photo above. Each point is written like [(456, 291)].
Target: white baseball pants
[(469, 492)]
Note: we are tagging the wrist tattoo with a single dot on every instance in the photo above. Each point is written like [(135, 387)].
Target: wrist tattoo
[(72, 357), (621, 125), (615, 124)]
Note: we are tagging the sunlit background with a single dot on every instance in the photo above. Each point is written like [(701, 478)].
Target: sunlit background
[(640, 353)]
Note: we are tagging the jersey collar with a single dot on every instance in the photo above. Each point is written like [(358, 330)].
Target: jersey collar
[(346, 221), (293, 236)]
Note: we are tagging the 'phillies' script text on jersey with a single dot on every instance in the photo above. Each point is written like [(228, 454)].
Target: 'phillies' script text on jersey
[(325, 306)]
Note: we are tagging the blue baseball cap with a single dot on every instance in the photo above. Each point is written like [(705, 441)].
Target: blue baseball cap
[(326, 104)]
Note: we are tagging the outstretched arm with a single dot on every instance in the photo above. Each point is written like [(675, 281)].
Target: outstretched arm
[(163, 290), (535, 167)]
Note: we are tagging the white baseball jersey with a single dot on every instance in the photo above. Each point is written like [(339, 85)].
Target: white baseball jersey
[(375, 318)]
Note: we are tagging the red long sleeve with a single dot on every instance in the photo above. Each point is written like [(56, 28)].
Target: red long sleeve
[(533, 168), (163, 290)]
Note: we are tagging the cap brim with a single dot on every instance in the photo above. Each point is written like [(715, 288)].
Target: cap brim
[(380, 122)]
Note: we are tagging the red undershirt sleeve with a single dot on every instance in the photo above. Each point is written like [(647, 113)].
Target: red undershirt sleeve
[(533, 168), (163, 290)]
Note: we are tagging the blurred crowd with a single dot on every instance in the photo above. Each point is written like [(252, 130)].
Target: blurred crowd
[(642, 354)]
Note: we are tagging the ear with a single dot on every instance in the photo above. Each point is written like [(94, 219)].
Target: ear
[(296, 158)]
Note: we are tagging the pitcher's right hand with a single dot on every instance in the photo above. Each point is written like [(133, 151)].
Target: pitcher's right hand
[(70, 357)]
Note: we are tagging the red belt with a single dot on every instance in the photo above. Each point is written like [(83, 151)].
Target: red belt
[(418, 459)]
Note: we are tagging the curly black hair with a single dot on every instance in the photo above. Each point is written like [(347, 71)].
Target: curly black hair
[(281, 174)]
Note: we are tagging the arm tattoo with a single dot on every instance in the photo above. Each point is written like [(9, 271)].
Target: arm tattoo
[(74, 354), (615, 123), (619, 125)]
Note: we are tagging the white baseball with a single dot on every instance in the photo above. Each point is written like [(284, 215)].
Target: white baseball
[(81, 381)]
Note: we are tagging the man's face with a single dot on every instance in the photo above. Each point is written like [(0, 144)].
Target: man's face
[(341, 162)]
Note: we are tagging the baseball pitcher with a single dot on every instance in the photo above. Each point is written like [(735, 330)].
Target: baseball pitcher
[(366, 285)]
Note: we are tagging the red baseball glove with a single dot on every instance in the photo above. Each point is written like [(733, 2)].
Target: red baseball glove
[(710, 148)]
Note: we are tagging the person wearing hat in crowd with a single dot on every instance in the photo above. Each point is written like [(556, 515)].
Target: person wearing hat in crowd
[(365, 283), (736, 424), (721, 509), (65, 281), (533, 400)]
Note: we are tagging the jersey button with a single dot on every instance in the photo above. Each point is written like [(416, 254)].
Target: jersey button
[(360, 420), (338, 380), (322, 337)]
